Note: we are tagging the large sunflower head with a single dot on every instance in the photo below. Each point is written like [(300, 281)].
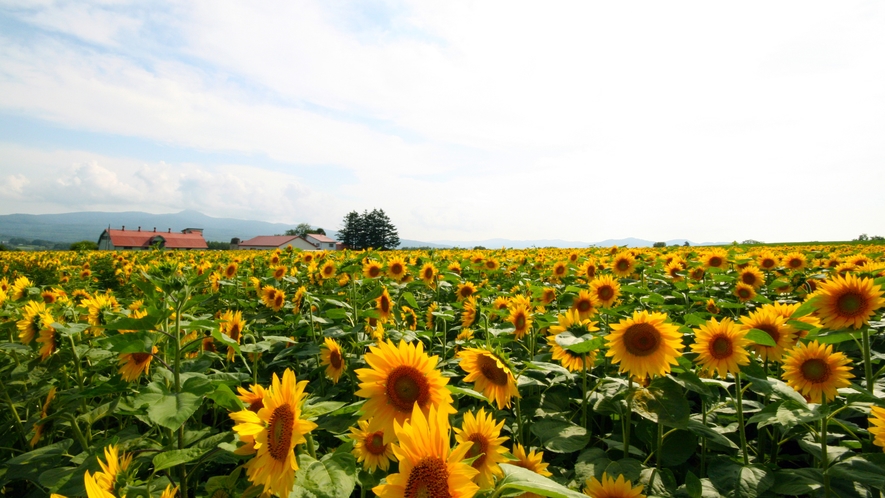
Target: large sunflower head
[(716, 258), (400, 378), (605, 290), (751, 276), (588, 269), (584, 304), (848, 301), (721, 347), (623, 264), (744, 292), (427, 464), (611, 488), (396, 269), (465, 290), (35, 317), (485, 434), (877, 425), (814, 370), (769, 321), (521, 319), (369, 447), (469, 312), (794, 261), (492, 376), (644, 344), (133, 365), (372, 269), (333, 359), (428, 274), (767, 260)]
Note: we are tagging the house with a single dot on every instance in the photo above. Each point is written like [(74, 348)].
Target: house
[(189, 238), (265, 242), (321, 241)]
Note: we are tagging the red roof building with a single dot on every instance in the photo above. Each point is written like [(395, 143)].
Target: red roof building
[(189, 238), (263, 242)]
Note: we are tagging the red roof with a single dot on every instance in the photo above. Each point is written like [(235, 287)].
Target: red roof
[(171, 240), (320, 237), (269, 240)]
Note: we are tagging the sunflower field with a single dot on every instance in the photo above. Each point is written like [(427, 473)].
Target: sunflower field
[(737, 371)]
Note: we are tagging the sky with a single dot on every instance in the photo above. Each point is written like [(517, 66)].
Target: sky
[(462, 120)]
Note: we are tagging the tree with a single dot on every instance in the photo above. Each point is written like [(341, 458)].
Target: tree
[(370, 229), (301, 230), (659, 244), (862, 237), (84, 245)]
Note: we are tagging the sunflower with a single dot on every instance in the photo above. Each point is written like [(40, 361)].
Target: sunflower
[(369, 447), (132, 365), (584, 304), (623, 264), (813, 369), (573, 362), (521, 319), (712, 307), (169, 492), (744, 292), (98, 305), (232, 325), (769, 321), (485, 434), (35, 317), (20, 288), (230, 271), (400, 378), (273, 298), (429, 316), (588, 269), (767, 261), (605, 290), (877, 425), (253, 397), (298, 299), (372, 269), (333, 359), (384, 306), (104, 483), (721, 347), (786, 310), (716, 258), (465, 290), (47, 341), (571, 320), (464, 335), (427, 465), (674, 270), (396, 269), (276, 428), (794, 261), (848, 301), (40, 425), (645, 344), (751, 276), (279, 272), (490, 374), (428, 274), (560, 269), (697, 273), (610, 488), (533, 460), (548, 295), (455, 267), (328, 270), (492, 264), (468, 314)]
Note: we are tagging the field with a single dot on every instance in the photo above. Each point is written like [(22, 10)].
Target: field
[(684, 371)]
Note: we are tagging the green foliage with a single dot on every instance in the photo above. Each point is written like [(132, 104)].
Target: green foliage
[(84, 245), (370, 229)]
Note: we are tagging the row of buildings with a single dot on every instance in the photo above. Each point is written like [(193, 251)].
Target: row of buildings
[(192, 238)]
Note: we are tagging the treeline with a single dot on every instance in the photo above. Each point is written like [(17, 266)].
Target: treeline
[(370, 229)]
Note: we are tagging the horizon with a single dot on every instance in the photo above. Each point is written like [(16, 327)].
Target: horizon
[(461, 121)]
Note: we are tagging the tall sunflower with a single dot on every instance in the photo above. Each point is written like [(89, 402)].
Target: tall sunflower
[(468, 313), (571, 321), (588, 269), (400, 378), (35, 317), (573, 362), (427, 465), (485, 434), (752, 276), (276, 428), (428, 274), (465, 290), (332, 357), (584, 304), (814, 370), (98, 305), (605, 290), (492, 377), (721, 347), (611, 488), (372, 269), (132, 365), (767, 260), (232, 325), (103, 483), (273, 298), (328, 270), (744, 292), (521, 318), (716, 258), (560, 269), (644, 344), (769, 321), (369, 447), (877, 425), (794, 261), (848, 301), (396, 269), (623, 264), (384, 306)]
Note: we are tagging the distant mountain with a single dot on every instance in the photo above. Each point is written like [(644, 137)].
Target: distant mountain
[(511, 244)]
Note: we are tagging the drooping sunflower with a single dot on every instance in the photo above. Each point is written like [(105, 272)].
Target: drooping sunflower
[(35, 317), (428, 274), (588, 269), (232, 325), (253, 397), (396, 269), (573, 362), (276, 428), (712, 307), (752, 276), (328, 270), (491, 375), (697, 273), (744, 292), (623, 264), (47, 342), (465, 290), (384, 306), (548, 295), (611, 488), (427, 465), (40, 425), (848, 301), (769, 321), (20, 288), (814, 370), (877, 425), (298, 299), (332, 357), (721, 347), (468, 313), (399, 378), (103, 483), (533, 460), (369, 447), (645, 344), (521, 318), (605, 290), (132, 365), (372, 269), (409, 317), (485, 434), (584, 304), (98, 305)]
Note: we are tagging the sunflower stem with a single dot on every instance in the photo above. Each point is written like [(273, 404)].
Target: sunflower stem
[(310, 446), (519, 422), (739, 405), (18, 420), (626, 423), (704, 439), (867, 364), (584, 392), (824, 457)]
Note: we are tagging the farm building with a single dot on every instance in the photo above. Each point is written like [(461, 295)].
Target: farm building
[(312, 242), (321, 241), (189, 238)]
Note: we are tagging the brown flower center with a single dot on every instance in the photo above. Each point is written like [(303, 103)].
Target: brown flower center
[(815, 370), (141, 358), (748, 278), (279, 432), (583, 305), (479, 448), (605, 292), (384, 304), (428, 479), (428, 273), (721, 347), (771, 330), (396, 268), (405, 387), (642, 339), (491, 371), (466, 291), (519, 322), (335, 358), (374, 271), (850, 303), (375, 443), (622, 265)]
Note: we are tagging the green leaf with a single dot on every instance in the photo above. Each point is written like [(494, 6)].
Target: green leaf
[(790, 413), (169, 459), (332, 476), (464, 391), (693, 485), (857, 468), (134, 342), (806, 308), (693, 319), (678, 448), (579, 345), (225, 398), (51, 451), (796, 482), (410, 298), (560, 436), (663, 402), (734, 480), (698, 427), (525, 480), (314, 410), (760, 337)]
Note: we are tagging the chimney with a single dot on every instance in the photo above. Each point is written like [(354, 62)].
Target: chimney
[(123, 229), (139, 228), (169, 231), (155, 229)]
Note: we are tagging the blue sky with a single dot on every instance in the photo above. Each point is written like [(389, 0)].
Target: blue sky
[(581, 121)]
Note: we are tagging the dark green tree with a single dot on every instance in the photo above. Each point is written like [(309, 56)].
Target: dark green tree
[(301, 230), (84, 245), (370, 229)]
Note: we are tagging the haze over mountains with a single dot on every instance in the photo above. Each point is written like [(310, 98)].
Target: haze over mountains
[(88, 225)]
